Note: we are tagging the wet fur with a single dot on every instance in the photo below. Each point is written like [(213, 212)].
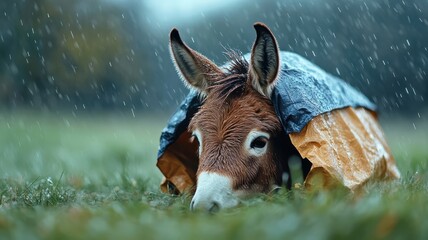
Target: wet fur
[(236, 101), (233, 108)]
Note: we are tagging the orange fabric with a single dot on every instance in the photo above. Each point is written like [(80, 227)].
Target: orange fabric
[(179, 164), (346, 147)]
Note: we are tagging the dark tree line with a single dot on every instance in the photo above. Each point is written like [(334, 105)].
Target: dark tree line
[(98, 55), (80, 54)]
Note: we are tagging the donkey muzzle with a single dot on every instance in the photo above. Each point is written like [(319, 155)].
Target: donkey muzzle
[(213, 192)]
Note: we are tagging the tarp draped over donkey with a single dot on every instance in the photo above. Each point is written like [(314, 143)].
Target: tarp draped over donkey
[(330, 123)]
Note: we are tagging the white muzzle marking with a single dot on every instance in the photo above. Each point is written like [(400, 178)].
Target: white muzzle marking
[(213, 192)]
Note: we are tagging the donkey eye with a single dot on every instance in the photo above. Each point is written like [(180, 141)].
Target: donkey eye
[(259, 142), (256, 142), (197, 138)]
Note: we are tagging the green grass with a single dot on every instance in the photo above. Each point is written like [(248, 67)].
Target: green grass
[(94, 177)]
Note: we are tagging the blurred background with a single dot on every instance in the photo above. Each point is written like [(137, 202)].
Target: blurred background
[(86, 87), (85, 83), (107, 55)]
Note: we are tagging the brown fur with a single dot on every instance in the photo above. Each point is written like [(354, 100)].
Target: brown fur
[(235, 103), (232, 108)]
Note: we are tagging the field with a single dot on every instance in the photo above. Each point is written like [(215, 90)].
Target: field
[(94, 177)]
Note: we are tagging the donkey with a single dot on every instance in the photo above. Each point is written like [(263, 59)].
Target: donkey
[(242, 146)]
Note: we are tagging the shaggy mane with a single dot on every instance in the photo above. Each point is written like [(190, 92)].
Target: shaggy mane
[(234, 81)]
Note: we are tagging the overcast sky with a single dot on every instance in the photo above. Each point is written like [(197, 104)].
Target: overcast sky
[(167, 12)]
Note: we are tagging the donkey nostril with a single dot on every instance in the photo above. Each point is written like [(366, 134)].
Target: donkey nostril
[(192, 205), (210, 207), (215, 207)]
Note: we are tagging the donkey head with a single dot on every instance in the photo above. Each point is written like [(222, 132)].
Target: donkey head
[(241, 142)]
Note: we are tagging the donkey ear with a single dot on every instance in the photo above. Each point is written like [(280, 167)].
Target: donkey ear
[(197, 70), (264, 66)]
